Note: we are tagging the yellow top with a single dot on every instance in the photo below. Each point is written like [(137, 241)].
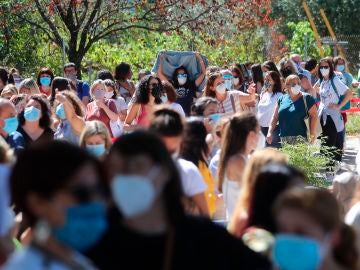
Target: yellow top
[(209, 193)]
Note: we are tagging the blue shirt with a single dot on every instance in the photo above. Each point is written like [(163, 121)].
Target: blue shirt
[(292, 115), (83, 89)]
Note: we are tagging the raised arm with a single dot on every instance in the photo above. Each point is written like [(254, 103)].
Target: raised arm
[(201, 77), (160, 71)]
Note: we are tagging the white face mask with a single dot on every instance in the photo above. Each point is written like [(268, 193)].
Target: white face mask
[(109, 95), (164, 99), (221, 88), (296, 89), (325, 72), (182, 80), (235, 81), (134, 194)]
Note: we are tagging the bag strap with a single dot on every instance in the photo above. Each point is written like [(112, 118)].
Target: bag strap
[(335, 89), (306, 106), (233, 102)]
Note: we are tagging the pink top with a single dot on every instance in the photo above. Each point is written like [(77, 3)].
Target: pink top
[(93, 112), (143, 119)]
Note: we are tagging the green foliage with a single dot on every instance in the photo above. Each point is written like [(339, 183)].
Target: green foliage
[(353, 124), (141, 51), (307, 158), (299, 33)]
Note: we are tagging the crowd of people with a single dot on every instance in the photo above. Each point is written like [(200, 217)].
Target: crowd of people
[(178, 169)]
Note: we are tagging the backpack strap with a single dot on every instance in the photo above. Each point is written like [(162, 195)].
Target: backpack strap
[(306, 106), (233, 102), (334, 87)]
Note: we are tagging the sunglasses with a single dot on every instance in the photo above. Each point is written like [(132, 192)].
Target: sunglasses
[(182, 75), (324, 67), (227, 77)]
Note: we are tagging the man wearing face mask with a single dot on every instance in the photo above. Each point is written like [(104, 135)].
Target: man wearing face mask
[(9, 124), (82, 88), (186, 89)]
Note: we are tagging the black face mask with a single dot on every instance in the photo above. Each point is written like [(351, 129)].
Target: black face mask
[(286, 72), (155, 92)]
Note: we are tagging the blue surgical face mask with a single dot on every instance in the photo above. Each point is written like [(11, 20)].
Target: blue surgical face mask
[(340, 68), (96, 149), (134, 194), (32, 114), (45, 81), (85, 224), (215, 117), (10, 124), (60, 111), (292, 252)]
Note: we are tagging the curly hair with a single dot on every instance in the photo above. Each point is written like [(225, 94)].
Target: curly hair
[(143, 91), (45, 120)]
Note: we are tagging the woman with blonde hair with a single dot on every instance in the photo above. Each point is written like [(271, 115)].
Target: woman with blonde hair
[(96, 139), (28, 86), (9, 91), (291, 111), (101, 108), (258, 160)]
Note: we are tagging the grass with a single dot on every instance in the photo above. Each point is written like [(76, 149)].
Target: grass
[(353, 124)]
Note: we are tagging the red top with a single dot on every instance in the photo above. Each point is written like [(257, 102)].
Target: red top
[(47, 94), (93, 112)]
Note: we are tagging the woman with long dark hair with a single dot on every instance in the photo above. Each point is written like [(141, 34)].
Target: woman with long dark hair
[(148, 221), (240, 139), (268, 100), (148, 94)]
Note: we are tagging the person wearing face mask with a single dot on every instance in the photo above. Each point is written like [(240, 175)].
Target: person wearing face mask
[(186, 89), (268, 99), (168, 124), (169, 97), (289, 113), (35, 121), (194, 148), (44, 80), (8, 125), (111, 93), (287, 67), (333, 96), (70, 113), (238, 80), (148, 221), (82, 88), (239, 141), (257, 77), (230, 102), (308, 228), (101, 108), (125, 86), (96, 139), (148, 94), (67, 215)]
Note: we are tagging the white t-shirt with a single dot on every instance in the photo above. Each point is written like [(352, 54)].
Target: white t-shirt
[(266, 107), (120, 104), (328, 94), (177, 107), (34, 259), (191, 178)]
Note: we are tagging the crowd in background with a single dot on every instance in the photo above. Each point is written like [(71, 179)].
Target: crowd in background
[(178, 169)]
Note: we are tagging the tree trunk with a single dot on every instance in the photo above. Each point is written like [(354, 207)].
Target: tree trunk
[(76, 58)]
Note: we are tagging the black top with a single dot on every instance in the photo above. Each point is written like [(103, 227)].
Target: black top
[(185, 96), (47, 135), (198, 244)]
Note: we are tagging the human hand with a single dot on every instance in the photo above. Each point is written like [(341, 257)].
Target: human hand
[(334, 106), (252, 89), (100, 104), (60, 98), (269, 138)]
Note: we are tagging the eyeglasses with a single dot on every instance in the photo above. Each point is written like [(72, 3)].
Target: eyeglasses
[(324, 67), (182, 75), (227, 77)]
